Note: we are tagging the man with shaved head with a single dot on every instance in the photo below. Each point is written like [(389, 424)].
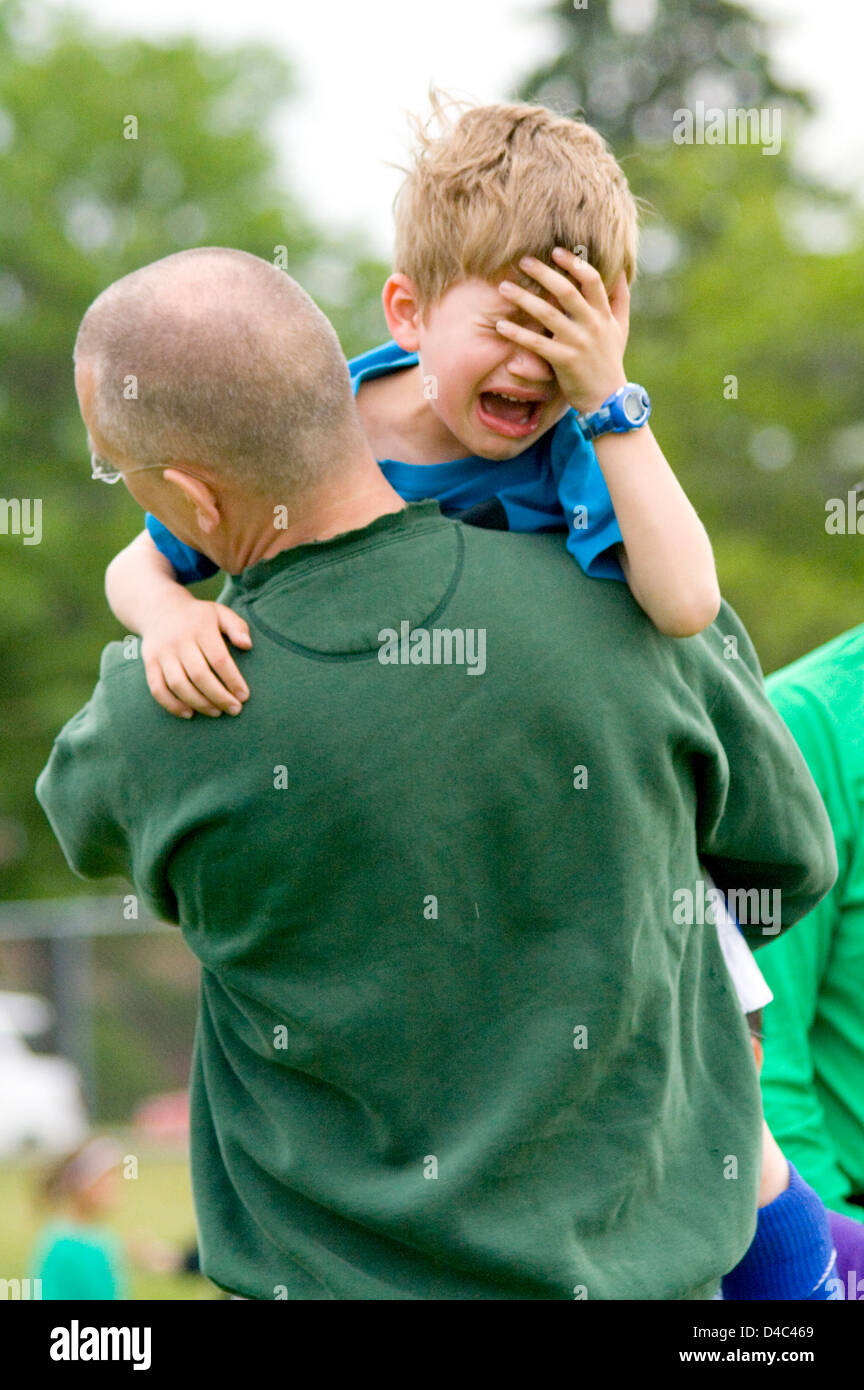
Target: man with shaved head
[(218, 368), (453, 1041)]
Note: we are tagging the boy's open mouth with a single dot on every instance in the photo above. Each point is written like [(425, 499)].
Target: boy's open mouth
[(509, 415)]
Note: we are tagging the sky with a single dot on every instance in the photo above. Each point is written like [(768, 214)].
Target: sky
[(361, 65)]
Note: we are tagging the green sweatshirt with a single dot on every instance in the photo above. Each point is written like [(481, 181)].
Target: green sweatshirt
[(452, 1042), (813, 1077)]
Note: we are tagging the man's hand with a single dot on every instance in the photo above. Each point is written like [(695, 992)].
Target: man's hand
[(186, 659), (589, 328)]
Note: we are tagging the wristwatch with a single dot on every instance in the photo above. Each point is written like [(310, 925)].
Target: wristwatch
[(626, 409)]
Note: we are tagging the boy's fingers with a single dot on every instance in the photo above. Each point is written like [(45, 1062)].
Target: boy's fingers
[(236, 629), (163, 696), (587, 277), (566, 294), (179, 683), (220, 660), (541, 310), (198, 670), (549, 349)]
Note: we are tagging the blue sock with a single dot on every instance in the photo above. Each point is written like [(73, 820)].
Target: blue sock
[(792, 1255)]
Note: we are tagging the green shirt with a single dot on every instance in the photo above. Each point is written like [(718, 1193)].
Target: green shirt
[(813, 1077), (78, 1262), (451, 1042)]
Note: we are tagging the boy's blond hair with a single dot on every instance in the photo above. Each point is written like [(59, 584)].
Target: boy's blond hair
[(504, 181)]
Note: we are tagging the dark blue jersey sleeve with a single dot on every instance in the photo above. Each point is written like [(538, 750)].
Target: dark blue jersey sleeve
[(189, 565)]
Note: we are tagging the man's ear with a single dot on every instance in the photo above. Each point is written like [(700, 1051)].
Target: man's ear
[(200, 495), (402, 312)]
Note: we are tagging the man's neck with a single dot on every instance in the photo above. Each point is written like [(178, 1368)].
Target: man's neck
[(353, 504), (346, 511)]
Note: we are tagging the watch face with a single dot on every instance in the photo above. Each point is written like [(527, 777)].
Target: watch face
[(633, 406)]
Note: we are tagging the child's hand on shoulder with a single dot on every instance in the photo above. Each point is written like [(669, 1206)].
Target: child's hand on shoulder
[(186, 659), (588, 327)]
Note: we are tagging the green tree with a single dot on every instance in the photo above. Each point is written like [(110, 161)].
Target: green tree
[(113, 152), (628, 64), (741, 328)]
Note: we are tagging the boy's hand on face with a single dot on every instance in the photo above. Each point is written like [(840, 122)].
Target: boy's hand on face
[(187, 662), (588, 327)]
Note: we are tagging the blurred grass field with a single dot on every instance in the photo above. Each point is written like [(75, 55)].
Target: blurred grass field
[(157, 1205)]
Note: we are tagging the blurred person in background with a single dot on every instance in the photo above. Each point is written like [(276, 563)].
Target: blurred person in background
[(77, 1256), (813, 1075)]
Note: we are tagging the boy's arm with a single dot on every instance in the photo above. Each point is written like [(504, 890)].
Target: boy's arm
[(137, 580), (666, 557), (186, 660)]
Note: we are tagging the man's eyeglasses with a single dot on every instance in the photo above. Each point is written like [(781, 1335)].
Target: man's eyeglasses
[(106, 472)]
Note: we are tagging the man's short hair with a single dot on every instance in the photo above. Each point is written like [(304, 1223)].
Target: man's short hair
[(216, 358), (504, 181)]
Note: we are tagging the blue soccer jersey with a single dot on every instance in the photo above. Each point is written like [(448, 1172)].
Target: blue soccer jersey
[(553, 485)]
